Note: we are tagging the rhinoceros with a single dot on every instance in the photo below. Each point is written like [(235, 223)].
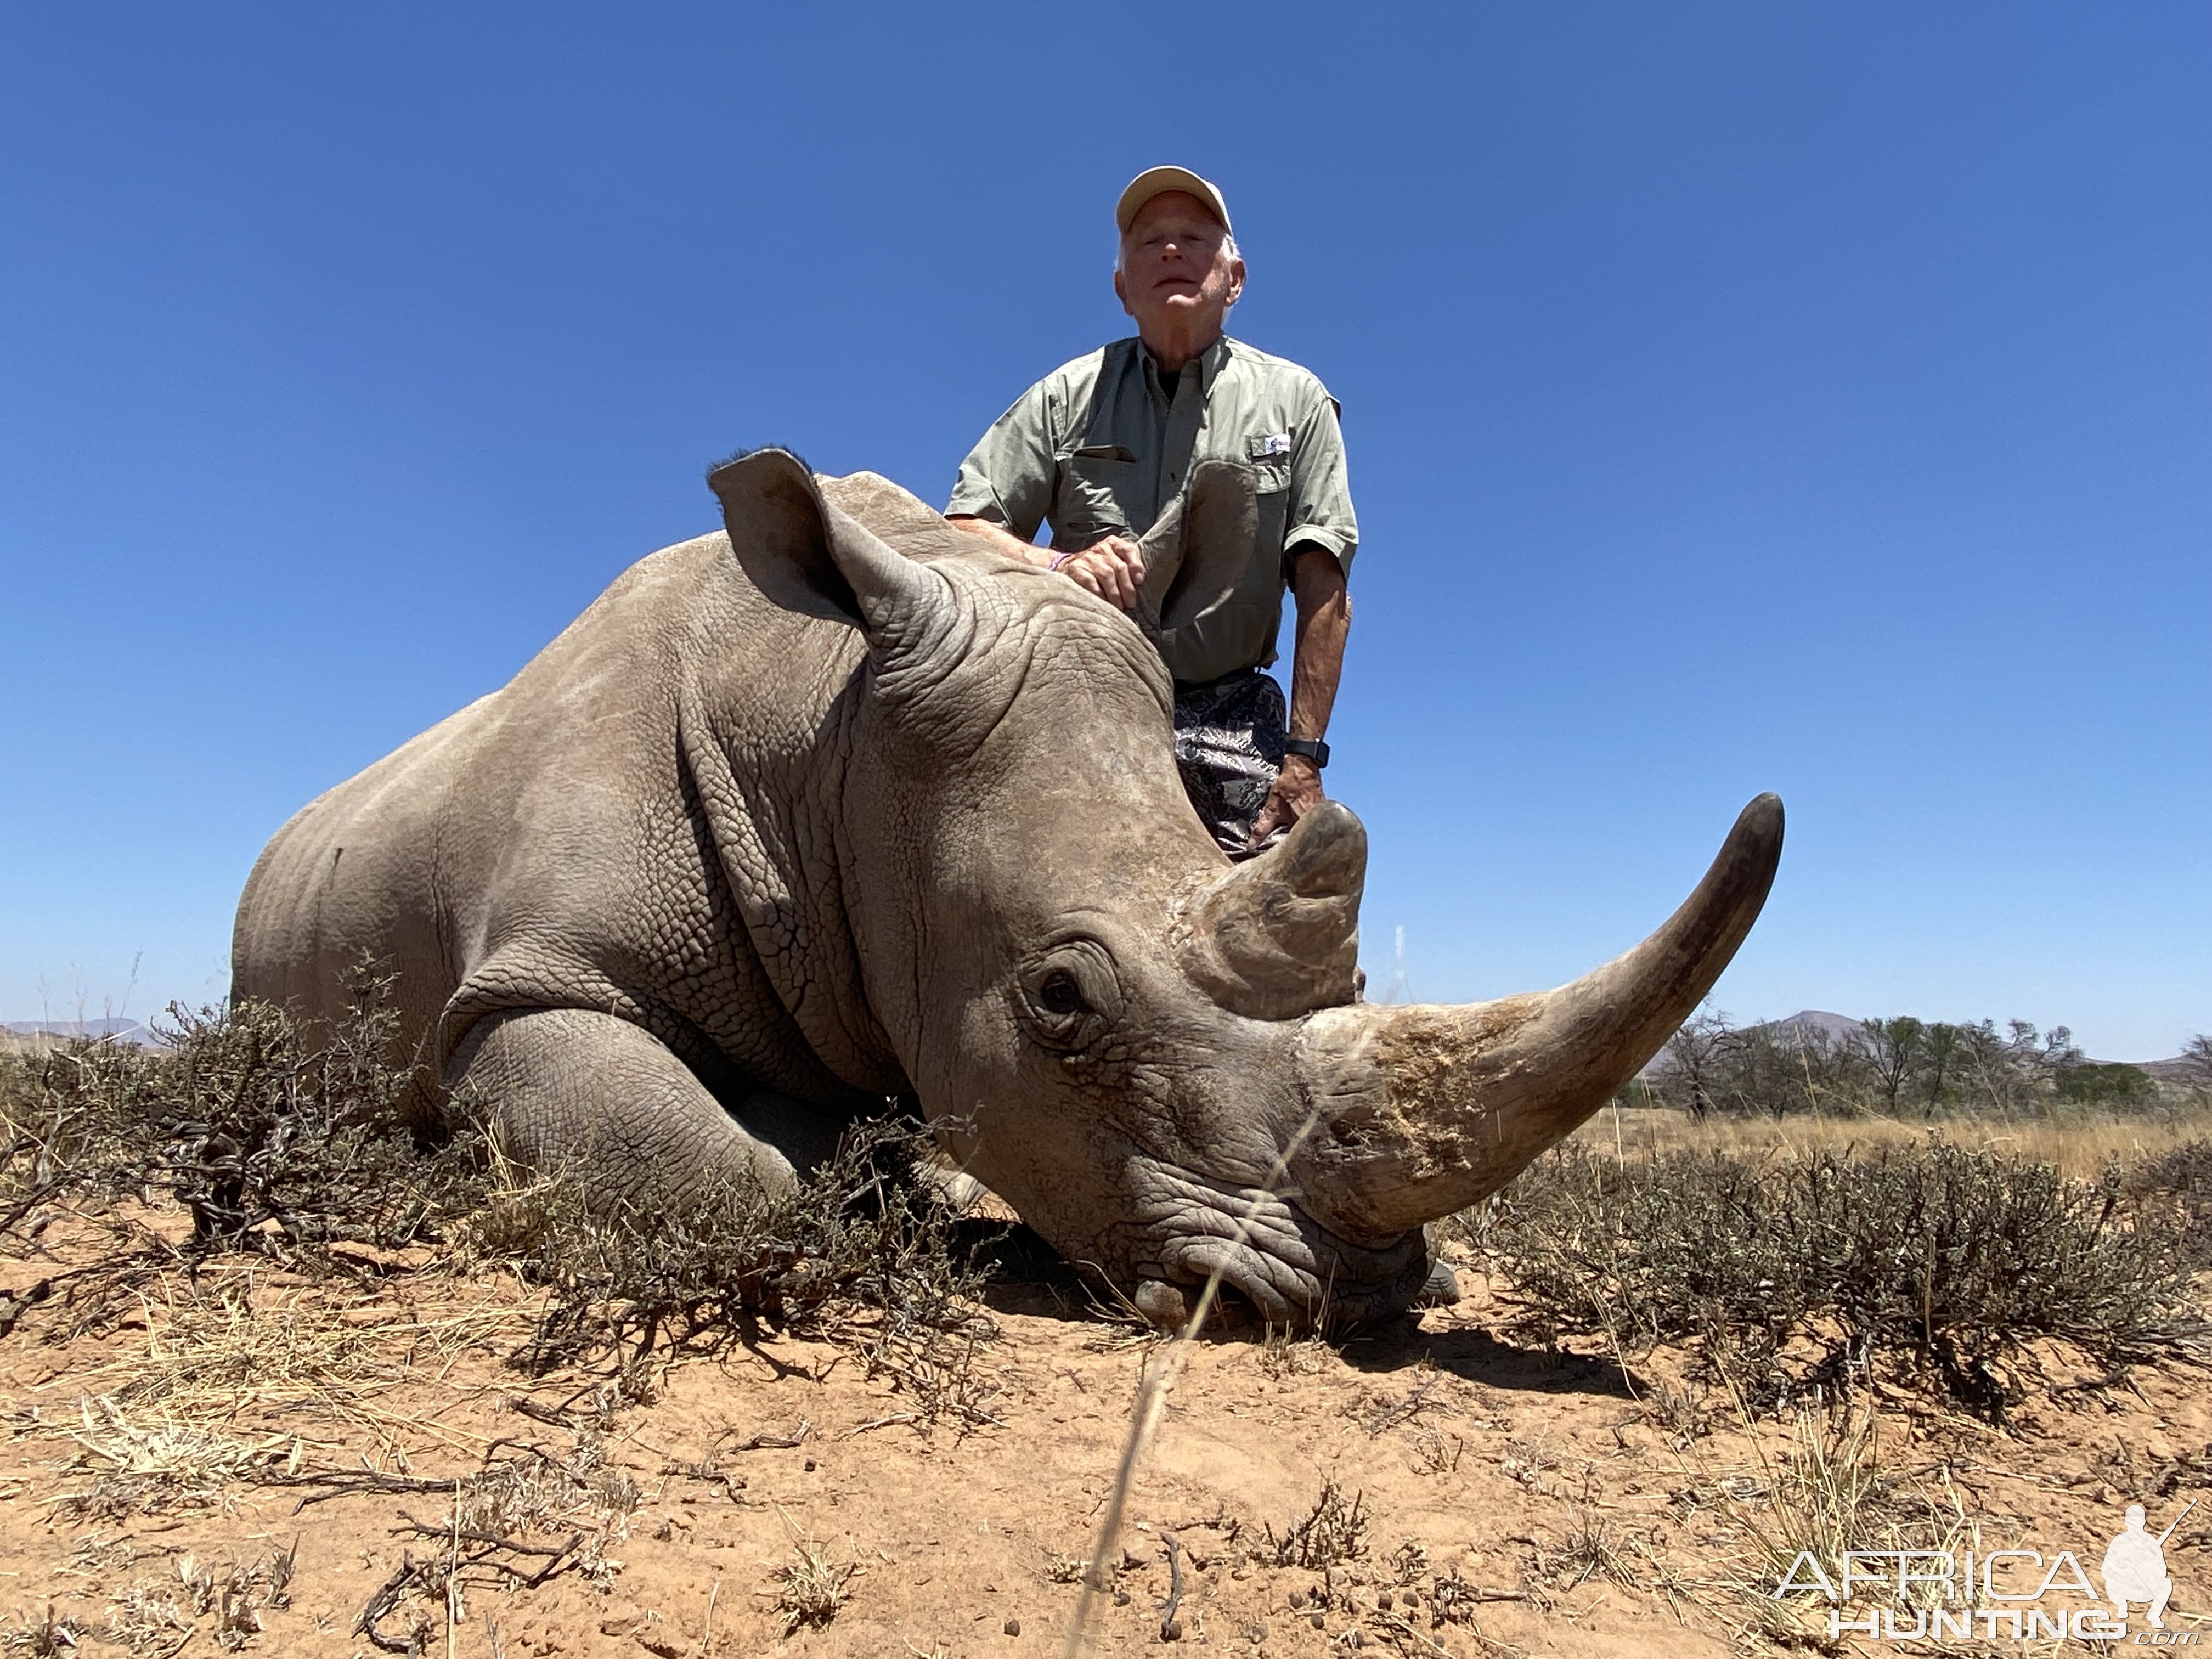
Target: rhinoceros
[(836, 804)]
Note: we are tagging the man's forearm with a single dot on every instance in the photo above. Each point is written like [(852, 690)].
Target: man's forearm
[(1003, 539), (1317, 659)]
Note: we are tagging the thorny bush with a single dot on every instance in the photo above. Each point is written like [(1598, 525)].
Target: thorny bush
[(861, 1242), (2179, 1183), (282, 1141), (1800, 1272), (268, 1137)]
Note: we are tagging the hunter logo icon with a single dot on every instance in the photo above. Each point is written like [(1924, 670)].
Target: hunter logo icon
[(1947, 1595), (2135, 1567)]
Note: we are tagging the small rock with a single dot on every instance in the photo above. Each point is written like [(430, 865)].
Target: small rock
[(1121, 1598), (809, 1465), (1256, 1631), (1383, 1602), (1315, 1619), (1162, 1303), (1013, 1627), (1297, 1598), (1172, 1630)]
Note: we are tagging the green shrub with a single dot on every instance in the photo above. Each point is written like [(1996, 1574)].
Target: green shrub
[(2094, 1083), (1803, 1272)]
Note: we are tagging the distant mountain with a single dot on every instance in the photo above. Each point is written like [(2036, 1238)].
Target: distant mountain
[(1799, 1025), (1808, 1020), (2176, 1070)]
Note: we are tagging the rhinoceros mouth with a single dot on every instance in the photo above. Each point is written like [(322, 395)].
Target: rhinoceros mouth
[(1291, 1269)]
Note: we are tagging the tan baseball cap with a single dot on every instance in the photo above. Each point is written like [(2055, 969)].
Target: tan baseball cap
[(1154, 181)]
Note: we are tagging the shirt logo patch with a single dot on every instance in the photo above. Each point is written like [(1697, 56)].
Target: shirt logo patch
[(1275, 443)]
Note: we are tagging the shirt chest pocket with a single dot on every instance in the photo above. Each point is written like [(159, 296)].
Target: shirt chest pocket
[(1271, 481), (1097, 496)]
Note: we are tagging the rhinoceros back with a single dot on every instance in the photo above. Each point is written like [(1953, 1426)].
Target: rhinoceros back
[(554, 845)]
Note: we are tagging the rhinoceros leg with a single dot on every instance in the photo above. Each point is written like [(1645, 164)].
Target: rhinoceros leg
[(567, 1087)]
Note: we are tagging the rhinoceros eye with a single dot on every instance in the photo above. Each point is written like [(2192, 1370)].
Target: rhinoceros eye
[(1060, 994), (1070, 993)]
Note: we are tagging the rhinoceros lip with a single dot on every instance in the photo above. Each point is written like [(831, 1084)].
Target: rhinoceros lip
[(1289, 1267), (1335, 1301)]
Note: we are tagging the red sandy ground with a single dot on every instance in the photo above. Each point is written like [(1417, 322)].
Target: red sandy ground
[(1501, 1460)]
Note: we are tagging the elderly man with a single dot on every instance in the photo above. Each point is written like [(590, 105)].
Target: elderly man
[(1101, 445)]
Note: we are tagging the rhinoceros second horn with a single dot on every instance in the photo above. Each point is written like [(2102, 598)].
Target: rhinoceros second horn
[(1278, 935)]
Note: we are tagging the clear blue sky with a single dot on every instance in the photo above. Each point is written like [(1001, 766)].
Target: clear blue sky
[(1812, 398)]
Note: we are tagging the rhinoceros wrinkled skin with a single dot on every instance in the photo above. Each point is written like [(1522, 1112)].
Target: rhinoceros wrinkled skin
[(839, 803)]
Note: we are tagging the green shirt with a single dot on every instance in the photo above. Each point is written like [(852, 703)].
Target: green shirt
[(1098, 447)]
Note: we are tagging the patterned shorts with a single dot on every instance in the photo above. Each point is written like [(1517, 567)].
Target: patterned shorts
[(1229, 744)]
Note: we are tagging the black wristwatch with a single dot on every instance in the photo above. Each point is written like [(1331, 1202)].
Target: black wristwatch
[(1312, 748)]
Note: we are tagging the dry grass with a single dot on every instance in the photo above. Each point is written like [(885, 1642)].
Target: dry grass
[(1156, 1380), (160, 1615), (40, 1636), (1283, 1356), (1826, 1490), (147, 1464), (811, 1591), (228, 1347), (2076, 1145), (1332, 1532)]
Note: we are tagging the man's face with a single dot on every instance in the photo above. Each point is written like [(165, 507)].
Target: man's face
[(1175, 265)]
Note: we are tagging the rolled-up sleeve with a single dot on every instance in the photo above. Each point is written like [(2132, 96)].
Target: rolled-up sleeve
[(1007, 478), (1319, 507)]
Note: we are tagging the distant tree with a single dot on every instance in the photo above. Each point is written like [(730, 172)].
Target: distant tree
[(2085, 1083), (1990, 1072), (1943, 1052), (1694, 1056), (2197, 1066), (1893, 1049), (1758, 1073), (1832, 1073), (2058, 1048)]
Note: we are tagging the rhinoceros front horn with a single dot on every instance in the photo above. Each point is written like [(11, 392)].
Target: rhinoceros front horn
[(1278, 935), (1422, 1111)]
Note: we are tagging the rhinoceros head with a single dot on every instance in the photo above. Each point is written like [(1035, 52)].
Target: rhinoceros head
[(1160, 1058)]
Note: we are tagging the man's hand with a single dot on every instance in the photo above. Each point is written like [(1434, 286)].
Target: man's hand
[(1298, 791), (1114, 569)]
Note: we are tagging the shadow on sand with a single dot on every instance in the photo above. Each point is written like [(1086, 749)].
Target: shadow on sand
[(1029, 1277)]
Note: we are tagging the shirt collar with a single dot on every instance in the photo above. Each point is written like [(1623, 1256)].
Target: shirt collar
[(1209, 363)]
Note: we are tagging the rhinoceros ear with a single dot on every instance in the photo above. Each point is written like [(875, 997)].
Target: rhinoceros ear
[(1197, 549), (806, 556)]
